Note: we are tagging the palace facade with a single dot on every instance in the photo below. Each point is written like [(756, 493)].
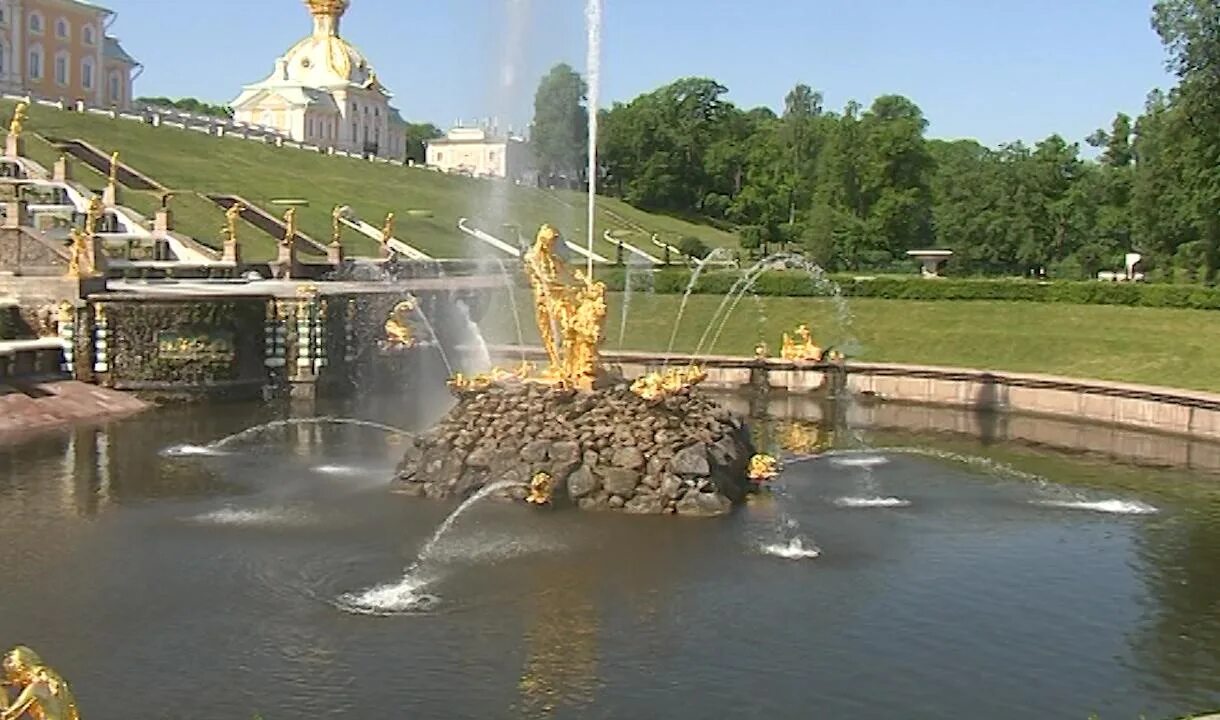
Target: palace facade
[(479, 153), (325, 92), (59, 49)]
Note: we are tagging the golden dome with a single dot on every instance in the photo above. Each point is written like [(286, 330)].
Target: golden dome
[(333, 8)]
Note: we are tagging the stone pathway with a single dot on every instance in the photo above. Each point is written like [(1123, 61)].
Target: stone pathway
[(34, 407)]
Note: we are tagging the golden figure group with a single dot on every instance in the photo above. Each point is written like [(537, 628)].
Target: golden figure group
[(658, 385), (570, 309), (40, 693), (762, 468), (542, 486)]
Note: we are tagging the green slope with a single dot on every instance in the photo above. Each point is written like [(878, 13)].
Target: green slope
[(190, 162)]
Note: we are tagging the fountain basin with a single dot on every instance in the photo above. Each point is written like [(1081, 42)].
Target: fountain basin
[(605, 449)]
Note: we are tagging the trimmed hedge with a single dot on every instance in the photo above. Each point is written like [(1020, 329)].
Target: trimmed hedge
[(796, 283)]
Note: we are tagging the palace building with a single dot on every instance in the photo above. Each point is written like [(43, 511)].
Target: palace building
[(478, 152), (325, 92), (59, 49)]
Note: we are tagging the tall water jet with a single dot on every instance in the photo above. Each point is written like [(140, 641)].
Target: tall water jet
[(690, 288), (593, 19)]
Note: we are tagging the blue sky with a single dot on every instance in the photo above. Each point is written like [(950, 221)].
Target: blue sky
[(995, 70)]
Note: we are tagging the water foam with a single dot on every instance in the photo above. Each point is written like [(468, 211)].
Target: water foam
[(248, 517), (860, 461), (400, 598), (340, 470), (177, 451), (862, 503), (1112, 506), (794, 549)]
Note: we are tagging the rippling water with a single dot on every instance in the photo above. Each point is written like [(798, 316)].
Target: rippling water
[(881, 584)]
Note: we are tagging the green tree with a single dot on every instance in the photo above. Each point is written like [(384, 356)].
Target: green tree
[(418, 135), (1190, 30), (559, 133), (693, 247)]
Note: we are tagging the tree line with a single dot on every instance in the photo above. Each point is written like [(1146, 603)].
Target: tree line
[(856, 188)]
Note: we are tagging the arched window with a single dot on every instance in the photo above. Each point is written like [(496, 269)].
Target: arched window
[(36, 23), (36, 62), (62, 72), (115, 85), (86, 73), (89, 35), (63, 30)]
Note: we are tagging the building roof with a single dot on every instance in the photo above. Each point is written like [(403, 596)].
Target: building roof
[(112, 50)]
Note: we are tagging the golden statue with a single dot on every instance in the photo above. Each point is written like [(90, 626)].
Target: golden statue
[(41, 693), (336, 228), (763, 468), (114, 168), (547, 274), (93, 215), (801, 347), (232, 215), (19, 117), (398, 327), (659, 385), (80, 258), (570, 310), (482, 381), (290, 228), (387, 230), (541, 489)]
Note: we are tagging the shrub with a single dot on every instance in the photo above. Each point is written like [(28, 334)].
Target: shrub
[(795, 283)]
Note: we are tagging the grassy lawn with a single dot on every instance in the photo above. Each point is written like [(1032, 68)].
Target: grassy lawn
[(1142, 345), (189, 161)]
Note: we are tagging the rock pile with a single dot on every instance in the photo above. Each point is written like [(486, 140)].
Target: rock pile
[(607, 449)]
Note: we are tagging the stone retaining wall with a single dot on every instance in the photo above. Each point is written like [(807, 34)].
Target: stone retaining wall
[(1158, 409)]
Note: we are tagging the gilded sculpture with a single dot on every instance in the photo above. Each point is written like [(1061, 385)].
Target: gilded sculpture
[(660, 385), (800, 346), (762, 469), (290, 227), (387, 230), (19, 117), (398, 330), (80, 258), (114, 168), (570, 310), (231, 217), (336, 227), (93, 215), (41, 693), (542, 487)]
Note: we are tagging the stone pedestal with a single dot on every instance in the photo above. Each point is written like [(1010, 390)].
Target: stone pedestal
[(334, 254), (16, 214), (14, 146), (110, 196), (62, 171), (163, 221), (231, 252)]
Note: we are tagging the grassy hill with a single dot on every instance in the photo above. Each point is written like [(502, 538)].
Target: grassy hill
[(194, 164)]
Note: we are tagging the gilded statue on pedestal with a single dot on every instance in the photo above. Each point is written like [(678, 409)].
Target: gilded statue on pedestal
[(387, 230), (80, 258), (547, 273), (94, 215), (41, 693), (290, 227), (19, 117), (114, 169), (336, 228), (231, 217), (801, 346)]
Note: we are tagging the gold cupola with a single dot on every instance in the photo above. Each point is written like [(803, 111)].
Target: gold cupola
[(326, 15)]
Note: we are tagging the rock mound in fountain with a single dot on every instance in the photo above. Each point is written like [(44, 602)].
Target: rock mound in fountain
[(604, 449)]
